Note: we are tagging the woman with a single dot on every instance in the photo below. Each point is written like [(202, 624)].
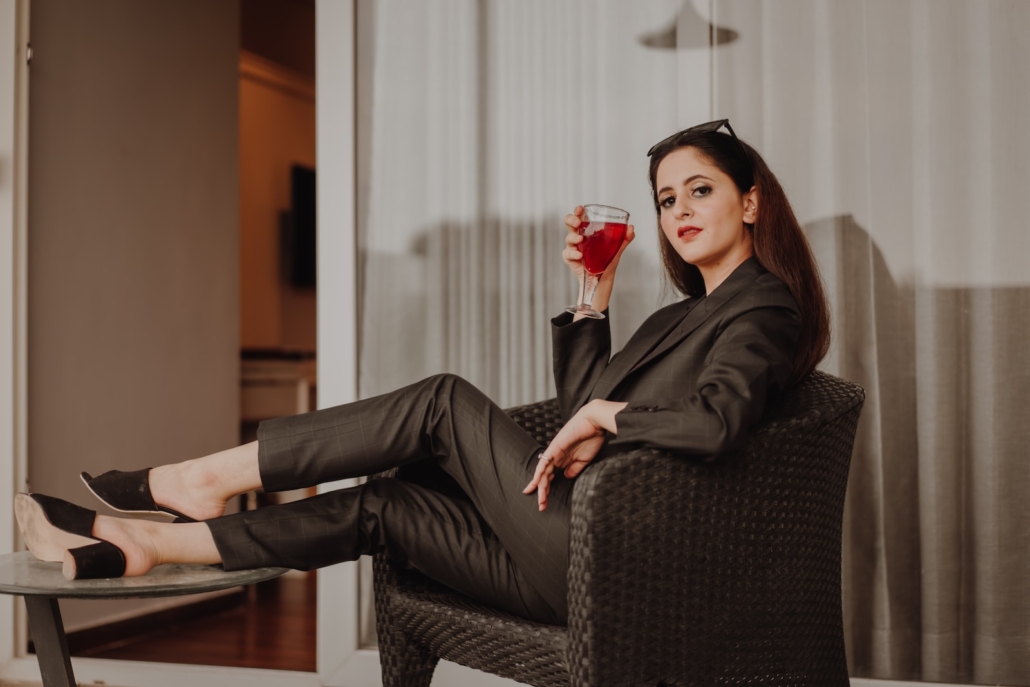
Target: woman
[(693, 379)]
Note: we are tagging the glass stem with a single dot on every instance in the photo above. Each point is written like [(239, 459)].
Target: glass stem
[(589, 286)]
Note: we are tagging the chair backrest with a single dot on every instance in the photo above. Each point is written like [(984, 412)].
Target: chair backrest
[(734, 565)]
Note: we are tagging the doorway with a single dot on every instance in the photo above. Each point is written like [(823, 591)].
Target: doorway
[(148, 261)]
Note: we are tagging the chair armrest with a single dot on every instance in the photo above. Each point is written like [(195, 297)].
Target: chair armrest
[(635, 561), (678, 563)]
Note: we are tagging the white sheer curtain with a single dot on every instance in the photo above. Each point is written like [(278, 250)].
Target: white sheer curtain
[(898, 128)]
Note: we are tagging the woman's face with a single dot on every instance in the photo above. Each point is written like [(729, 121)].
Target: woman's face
[(703, 214)]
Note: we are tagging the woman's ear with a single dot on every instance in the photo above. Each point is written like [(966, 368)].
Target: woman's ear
[(751, 205)]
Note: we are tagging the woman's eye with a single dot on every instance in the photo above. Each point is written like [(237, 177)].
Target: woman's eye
[(701, 191), (667, 202)]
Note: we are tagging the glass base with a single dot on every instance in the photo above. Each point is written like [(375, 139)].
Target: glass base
[(585, 311)]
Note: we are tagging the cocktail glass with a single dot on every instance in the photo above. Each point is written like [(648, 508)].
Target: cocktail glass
[(603, 230)]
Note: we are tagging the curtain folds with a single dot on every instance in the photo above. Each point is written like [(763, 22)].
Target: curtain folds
[(898, 129)]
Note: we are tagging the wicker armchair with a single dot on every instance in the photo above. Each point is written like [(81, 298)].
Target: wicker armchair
[(682, 572)]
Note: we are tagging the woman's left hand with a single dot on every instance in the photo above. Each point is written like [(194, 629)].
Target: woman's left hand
[(575, 446)]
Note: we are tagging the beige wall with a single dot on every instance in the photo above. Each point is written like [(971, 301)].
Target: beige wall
[(133, 242), (277, 130)]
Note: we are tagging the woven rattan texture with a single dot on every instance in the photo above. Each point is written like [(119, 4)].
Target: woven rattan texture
[(455, 628), (682, 572)]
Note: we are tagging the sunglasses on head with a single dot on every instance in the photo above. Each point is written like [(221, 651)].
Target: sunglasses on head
[(705, 128)]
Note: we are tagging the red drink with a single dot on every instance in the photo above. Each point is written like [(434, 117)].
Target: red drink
[(603, 229), (601, 242)]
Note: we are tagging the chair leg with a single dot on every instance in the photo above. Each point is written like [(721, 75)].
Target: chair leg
[(404, 664)]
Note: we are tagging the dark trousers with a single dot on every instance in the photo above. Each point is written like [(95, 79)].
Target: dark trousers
[(494, 545)]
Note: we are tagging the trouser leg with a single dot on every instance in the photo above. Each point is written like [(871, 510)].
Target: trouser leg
[(443, 537), (442, 416), (445, 418)]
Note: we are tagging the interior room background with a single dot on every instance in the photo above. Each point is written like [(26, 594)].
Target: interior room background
[(162, 137), (898, 128)]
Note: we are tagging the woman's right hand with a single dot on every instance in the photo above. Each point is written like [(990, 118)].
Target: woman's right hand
[(574, 258)]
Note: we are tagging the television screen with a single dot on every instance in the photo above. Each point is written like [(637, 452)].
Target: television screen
[(298, 228)]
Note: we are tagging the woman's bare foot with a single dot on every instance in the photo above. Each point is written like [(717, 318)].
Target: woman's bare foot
[(145, 543), (200, 488), (133, 537), (53, 528)]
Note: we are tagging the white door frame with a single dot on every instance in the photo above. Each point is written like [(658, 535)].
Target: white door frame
[(340, 658), (14, 31)]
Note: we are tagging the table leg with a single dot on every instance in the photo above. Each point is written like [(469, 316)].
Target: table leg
[(55, 664)]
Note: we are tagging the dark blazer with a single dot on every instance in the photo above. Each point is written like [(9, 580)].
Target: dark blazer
[(697, 374)]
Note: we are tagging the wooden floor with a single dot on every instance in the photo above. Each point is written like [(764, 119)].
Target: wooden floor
[(274, 629)]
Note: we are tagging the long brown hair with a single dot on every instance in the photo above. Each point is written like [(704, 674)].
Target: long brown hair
[(779, 243)]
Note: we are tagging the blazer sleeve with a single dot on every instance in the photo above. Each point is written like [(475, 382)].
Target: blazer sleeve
[(751, 358), (581, 352)]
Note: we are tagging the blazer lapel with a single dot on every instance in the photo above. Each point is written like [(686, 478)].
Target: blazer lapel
[(653, 329), (640, 348), (671, 335)]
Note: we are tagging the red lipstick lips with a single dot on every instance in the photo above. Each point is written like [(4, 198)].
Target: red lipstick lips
[(688, 232)]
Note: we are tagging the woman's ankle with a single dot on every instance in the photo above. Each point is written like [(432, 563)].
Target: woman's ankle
[(189, 487), (134, 540), (201, 487), (231, 472)]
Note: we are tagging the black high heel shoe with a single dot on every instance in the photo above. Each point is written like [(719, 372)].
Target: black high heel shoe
[(128, 492), (58, 531)]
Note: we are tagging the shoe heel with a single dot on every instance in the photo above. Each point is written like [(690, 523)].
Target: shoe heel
[(100, 560)]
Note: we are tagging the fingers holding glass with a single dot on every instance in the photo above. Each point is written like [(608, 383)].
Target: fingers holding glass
[(571, 254), (574, 218)]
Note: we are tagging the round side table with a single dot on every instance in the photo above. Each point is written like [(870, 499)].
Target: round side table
[(42, 585)]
